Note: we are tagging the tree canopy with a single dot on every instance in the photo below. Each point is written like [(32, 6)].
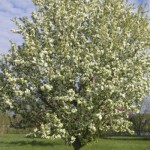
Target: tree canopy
[(81, 68)]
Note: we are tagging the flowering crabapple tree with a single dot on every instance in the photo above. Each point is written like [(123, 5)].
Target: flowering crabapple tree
[(81, 67)]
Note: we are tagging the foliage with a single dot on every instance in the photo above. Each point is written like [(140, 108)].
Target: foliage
[(80, 69)]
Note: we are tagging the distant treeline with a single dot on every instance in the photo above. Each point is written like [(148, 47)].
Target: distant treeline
[(141, 123), (6, 127)]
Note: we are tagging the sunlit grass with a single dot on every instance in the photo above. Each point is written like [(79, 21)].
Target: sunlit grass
[(19, 142)]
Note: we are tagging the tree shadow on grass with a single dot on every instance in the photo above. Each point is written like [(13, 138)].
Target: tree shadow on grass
[(32, 143)]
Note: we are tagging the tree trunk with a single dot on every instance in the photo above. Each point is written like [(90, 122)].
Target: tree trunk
[(77, 144)]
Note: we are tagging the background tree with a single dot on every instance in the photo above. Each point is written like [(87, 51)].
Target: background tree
[(80, 69), (4, 123), (141, 120)]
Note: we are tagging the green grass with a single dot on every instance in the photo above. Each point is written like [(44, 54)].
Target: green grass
[(19, 142), (121, 143)]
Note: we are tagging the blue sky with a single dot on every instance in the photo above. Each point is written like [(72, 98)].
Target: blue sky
[(18, 8), (8, 10)]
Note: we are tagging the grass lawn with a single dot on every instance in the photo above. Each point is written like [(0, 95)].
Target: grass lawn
[(19, 142)]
